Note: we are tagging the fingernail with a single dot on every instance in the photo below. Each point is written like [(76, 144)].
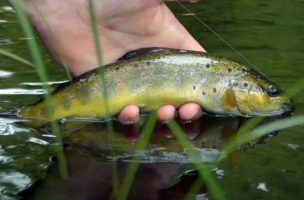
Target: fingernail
[(197, 114), (130, 121)]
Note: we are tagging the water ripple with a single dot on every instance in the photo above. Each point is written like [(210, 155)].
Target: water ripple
[(10, 129), (19, 180), (6, 41), (19, 91), (8, 9), (37, 141), (262, 186), (5, 74), (5, 159), (293, 146), (3, 21), (41, 84), (10, 120)]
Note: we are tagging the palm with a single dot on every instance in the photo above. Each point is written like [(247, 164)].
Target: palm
[(123, 25)]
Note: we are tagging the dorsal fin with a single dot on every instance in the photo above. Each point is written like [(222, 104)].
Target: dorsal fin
[(142, 51)]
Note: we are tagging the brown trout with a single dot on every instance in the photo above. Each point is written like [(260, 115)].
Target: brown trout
[(153, 77)]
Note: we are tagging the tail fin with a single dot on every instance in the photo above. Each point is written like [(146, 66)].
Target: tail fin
[(12, 116), (12, 112)]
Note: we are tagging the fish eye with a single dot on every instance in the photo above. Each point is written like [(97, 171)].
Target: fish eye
[(273, 91)]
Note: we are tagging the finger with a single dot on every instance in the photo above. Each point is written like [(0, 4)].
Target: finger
[(166, 112), (129, 115), (190, 111)]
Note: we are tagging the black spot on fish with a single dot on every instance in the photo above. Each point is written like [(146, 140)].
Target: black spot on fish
[(93, 90), (207, 65), (194, 87), (229, 70), (203, 93), (218, 74), (116, 68), (214, 90), (245, 84), (148, 63)]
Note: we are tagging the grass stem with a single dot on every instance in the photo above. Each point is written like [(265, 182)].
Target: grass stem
[(41, 71), (203, 169), (133, 166)]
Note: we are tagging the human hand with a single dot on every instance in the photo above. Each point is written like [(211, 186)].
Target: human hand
[(123, 25)]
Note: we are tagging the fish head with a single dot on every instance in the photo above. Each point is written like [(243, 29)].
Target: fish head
[(256, 95)]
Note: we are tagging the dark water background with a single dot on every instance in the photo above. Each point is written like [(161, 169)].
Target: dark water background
[(269, 33)]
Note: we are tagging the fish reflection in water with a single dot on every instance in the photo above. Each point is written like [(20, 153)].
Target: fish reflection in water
[(206, 135), (163, 165)]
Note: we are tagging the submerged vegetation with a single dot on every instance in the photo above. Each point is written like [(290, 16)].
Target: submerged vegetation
[(251, 130)]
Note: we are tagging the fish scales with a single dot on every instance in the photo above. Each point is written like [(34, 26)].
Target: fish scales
[(154, 79)]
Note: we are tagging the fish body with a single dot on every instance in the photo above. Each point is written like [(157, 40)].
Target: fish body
[(154, 77)]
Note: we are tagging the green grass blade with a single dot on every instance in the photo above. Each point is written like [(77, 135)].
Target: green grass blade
[(95, 32), (195, 188), (263, 130), (101, 70), (245, 128), (203, 169), (133, 166), (41, 70), (250, 124), (109, 124), (15, 57)]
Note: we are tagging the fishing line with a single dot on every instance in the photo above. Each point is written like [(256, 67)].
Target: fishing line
[(219, 37)]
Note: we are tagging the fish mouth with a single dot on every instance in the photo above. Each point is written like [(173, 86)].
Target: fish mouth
[(287, 107)]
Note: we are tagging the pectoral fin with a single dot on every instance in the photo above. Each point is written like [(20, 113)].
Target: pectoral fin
[(229, 101), (242, 103)]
